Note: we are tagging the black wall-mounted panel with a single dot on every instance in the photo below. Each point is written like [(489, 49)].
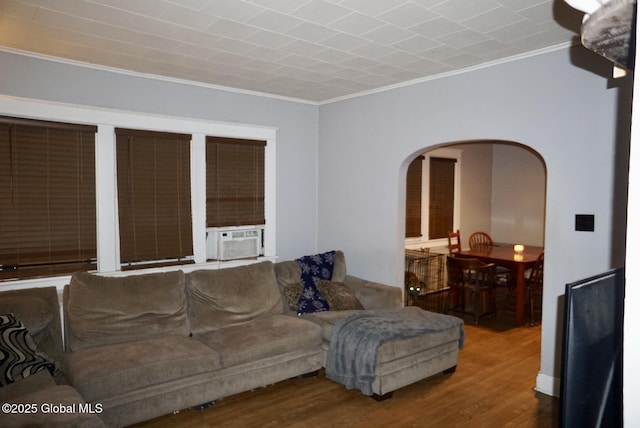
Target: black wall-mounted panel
[(585, 222)]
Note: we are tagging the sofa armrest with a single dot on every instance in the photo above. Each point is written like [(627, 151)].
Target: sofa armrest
[(39, 309), (374, 295)]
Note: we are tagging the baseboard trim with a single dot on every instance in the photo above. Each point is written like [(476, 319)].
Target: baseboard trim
[(548, 385)]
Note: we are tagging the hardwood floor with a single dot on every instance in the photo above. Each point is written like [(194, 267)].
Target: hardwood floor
[(492, 387)]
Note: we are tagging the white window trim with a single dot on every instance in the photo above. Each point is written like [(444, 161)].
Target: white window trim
[(108, 245)]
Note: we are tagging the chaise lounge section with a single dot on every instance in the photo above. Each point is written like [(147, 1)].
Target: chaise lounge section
[(400, 361)]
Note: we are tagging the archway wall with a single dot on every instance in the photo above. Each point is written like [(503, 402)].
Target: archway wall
[(492, 177), (563, 112)]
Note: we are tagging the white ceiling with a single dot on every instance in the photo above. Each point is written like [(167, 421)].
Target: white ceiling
[(314, 50)]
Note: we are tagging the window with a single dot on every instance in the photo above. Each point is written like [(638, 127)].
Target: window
[(235, 182), (413, 224), (432, 197), (94, 200), (154, 197), (47, 198), (441, 196)]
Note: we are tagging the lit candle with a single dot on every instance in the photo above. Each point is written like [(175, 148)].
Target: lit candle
[(518, 249)]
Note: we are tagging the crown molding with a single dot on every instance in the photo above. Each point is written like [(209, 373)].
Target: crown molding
[(455, 72), (283, 98)]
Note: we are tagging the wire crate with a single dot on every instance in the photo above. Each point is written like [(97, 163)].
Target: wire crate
[(424, 279)]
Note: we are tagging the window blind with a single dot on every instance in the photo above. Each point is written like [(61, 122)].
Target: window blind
[(441, 196), (154, 197), (47, 198), (413, 222), (235, 182)]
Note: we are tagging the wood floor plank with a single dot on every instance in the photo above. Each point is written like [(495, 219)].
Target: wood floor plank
[(493, 386)]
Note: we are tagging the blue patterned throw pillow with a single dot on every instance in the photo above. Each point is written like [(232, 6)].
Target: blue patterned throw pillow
[(314, 268), (19, 356)]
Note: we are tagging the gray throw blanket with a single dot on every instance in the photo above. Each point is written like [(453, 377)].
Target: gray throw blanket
[(353, 350)]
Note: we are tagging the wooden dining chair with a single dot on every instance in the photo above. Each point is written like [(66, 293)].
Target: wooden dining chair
[(479, 241), (468, 276), (482, 241), (533, 284), (454, 242)]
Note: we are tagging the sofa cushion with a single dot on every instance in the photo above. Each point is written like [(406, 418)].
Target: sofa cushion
[(288, 279), (339, 267), (107, 371), (289, 271), (56, 406), (27, 385), (327, 320), (288, 275), (32, 311), (291, 294), (39, 310), (19, 356), (269, 336), (339, 296), (224, 297), (105, 310)]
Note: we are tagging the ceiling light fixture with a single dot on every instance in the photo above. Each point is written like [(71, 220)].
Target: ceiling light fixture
[(606, 30)]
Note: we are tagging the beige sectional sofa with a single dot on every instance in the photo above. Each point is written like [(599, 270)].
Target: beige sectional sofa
[(144, 345)]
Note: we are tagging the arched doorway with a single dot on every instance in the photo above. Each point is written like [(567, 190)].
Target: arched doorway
[(498, 187)]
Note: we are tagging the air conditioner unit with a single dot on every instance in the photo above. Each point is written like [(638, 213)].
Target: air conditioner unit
[(229, 243)]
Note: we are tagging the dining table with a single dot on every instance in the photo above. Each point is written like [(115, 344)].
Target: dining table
[(505, 255)]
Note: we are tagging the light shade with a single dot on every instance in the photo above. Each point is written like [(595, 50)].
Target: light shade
[(587, 6)]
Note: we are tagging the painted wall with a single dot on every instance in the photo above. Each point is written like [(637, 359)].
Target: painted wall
[(631, 351), (519, 184), (550, 102), (476, 188), (296, 123)]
